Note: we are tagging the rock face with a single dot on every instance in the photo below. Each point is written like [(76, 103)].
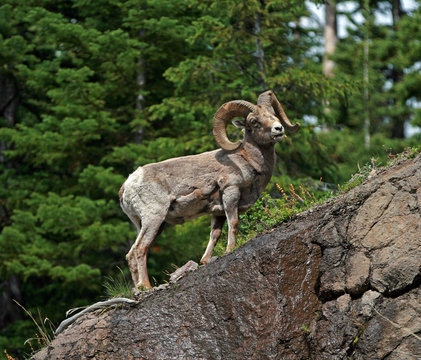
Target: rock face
[(341, 281)]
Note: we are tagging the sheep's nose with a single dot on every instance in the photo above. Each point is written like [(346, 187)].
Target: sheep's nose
[(279, 128)]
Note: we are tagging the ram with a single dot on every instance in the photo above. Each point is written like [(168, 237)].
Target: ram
[(222, 183)]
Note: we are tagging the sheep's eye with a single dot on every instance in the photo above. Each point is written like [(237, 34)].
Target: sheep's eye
[(254, 122)]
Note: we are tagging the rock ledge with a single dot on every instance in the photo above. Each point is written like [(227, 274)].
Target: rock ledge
[(341, 281)]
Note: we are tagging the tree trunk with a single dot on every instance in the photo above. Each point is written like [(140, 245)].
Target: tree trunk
[(398, 121), (9, 310), (260, 52), (330, 37), (8, 105), (366, 79), (340, 281), (396, 12), (330, 40), (140, 98), (9, 288)]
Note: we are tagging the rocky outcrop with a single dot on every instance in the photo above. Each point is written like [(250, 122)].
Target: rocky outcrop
[(340, 281), (369, 284)]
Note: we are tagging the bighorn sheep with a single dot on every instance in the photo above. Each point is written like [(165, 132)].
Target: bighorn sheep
[(222, 182)]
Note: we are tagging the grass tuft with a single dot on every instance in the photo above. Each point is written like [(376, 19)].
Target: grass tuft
[(369, 168), (44, 334), (119, 286), (8, 357)]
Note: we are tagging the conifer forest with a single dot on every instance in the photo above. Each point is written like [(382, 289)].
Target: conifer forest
[(90, 90)]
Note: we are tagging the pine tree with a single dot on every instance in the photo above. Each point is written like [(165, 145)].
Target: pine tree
[(75, 74), (391, 103), (384, 99)]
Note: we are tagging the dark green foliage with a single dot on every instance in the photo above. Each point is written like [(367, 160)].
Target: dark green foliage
[(393, 70), (269, 211), (76, 93), (374, 164), (347, 149)]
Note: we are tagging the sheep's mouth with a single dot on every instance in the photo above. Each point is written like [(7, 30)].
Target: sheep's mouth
[(278, 137)]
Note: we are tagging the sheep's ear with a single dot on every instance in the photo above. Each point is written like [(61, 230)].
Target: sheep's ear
[(240, 123)]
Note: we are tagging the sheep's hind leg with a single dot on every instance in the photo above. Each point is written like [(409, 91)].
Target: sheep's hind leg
[(132, 262), (217, 222), (130, 257), (151, 228)]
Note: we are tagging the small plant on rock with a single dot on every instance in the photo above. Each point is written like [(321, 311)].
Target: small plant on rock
[(118, 286), (270, 211), (44, 331)]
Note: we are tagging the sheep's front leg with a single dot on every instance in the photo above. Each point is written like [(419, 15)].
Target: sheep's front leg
[(230, 199), (217, 223)]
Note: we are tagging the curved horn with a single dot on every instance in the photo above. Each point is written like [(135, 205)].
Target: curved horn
[(269, 98), (224, 114)]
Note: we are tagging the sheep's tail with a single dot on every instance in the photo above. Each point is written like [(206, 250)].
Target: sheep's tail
[(120, 193)]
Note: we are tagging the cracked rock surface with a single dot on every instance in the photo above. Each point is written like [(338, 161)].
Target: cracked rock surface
[(341, 281)]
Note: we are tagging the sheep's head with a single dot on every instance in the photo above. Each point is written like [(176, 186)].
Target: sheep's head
[(266, 121)]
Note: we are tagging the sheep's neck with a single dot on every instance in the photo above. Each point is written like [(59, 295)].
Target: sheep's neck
[(261, 158)]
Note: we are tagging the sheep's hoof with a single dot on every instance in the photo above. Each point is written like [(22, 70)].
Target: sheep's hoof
[(208, 261), (143, 287)]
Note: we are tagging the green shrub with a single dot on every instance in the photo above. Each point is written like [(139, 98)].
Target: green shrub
[(269, 212)]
